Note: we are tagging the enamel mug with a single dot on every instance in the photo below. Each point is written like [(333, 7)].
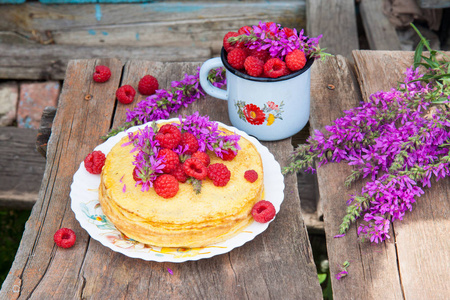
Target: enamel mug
[(269, 109)]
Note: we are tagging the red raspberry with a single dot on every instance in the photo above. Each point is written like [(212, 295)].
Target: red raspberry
[(65, 237), (168, 136), (166, 186), (136, 175), (254, 66), (236, 58), (203, 157), (230, 46), (228, 155), (94, 162), (263, 211), (219, 174), (189, 140), (125, 94), (101, 74), (245, 30), (195, 168), (288, 31), (251, 175), (179, 173), (295, 60), (274, 67), (170, 159), (148, 85), (263, 55)]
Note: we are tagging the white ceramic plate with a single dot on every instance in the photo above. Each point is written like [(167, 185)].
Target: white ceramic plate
[(87, 209)]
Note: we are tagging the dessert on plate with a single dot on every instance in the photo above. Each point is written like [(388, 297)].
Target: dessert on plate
[(202, 210)]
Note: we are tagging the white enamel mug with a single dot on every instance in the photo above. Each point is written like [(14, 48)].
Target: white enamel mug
[(269, 109)]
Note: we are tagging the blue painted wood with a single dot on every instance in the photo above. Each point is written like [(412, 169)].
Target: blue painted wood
[(86, 1), (11, 1)]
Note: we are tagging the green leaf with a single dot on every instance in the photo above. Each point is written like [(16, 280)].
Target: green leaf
[(322, 278), (418, 53), (432, 63)]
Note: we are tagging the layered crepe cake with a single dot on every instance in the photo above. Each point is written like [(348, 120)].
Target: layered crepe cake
[(187, 219)]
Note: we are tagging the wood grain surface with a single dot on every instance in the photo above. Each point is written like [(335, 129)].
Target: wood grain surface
[(403, 267), (277, 264), (21, 168), (335, 19)]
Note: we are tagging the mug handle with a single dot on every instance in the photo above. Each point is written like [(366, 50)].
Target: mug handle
[(207, 86)]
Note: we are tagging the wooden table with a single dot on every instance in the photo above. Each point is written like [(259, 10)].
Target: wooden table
[(278, 264)]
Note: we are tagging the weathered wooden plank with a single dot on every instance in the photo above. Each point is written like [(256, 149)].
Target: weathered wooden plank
[(421, 240), (21, 168), (197, 24), (373, 272), (336, 20), (380, 33), (277, 263), (45, 129), (50, 61), (39, 263)]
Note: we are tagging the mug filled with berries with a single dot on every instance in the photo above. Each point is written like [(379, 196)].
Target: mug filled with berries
[(268, 74)]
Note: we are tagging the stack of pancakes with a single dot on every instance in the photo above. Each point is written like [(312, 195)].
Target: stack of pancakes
[(188, 219)]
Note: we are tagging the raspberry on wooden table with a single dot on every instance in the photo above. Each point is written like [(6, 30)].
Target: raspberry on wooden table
[(166, 186), (219, 174), (263, 211), (94, 162), (148, 85), (125, 94), (65, 237), (101, 74)]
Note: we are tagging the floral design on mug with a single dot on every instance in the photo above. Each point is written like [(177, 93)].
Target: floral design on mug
[(255, 115)]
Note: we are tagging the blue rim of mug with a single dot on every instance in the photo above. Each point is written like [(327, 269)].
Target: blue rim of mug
[(238, 73)]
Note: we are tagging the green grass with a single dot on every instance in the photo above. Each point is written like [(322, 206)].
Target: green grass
[(12, 225)]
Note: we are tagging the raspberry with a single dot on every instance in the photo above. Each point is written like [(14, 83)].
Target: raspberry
[(125, 94), (219, 174), (166, 186), (254, 66), (203, 157), (263, 211), (295, 60), (170, 160), (101, 74), (251, 175), (195, 168), (274, 67), (136, 174), (148, 85), (263, 55), (236, 58), (65, 237), (179, 173), (230, 46), (228, 155), (245, 30), (288, 31), (189, 140), (168, 136), (94, 162)]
